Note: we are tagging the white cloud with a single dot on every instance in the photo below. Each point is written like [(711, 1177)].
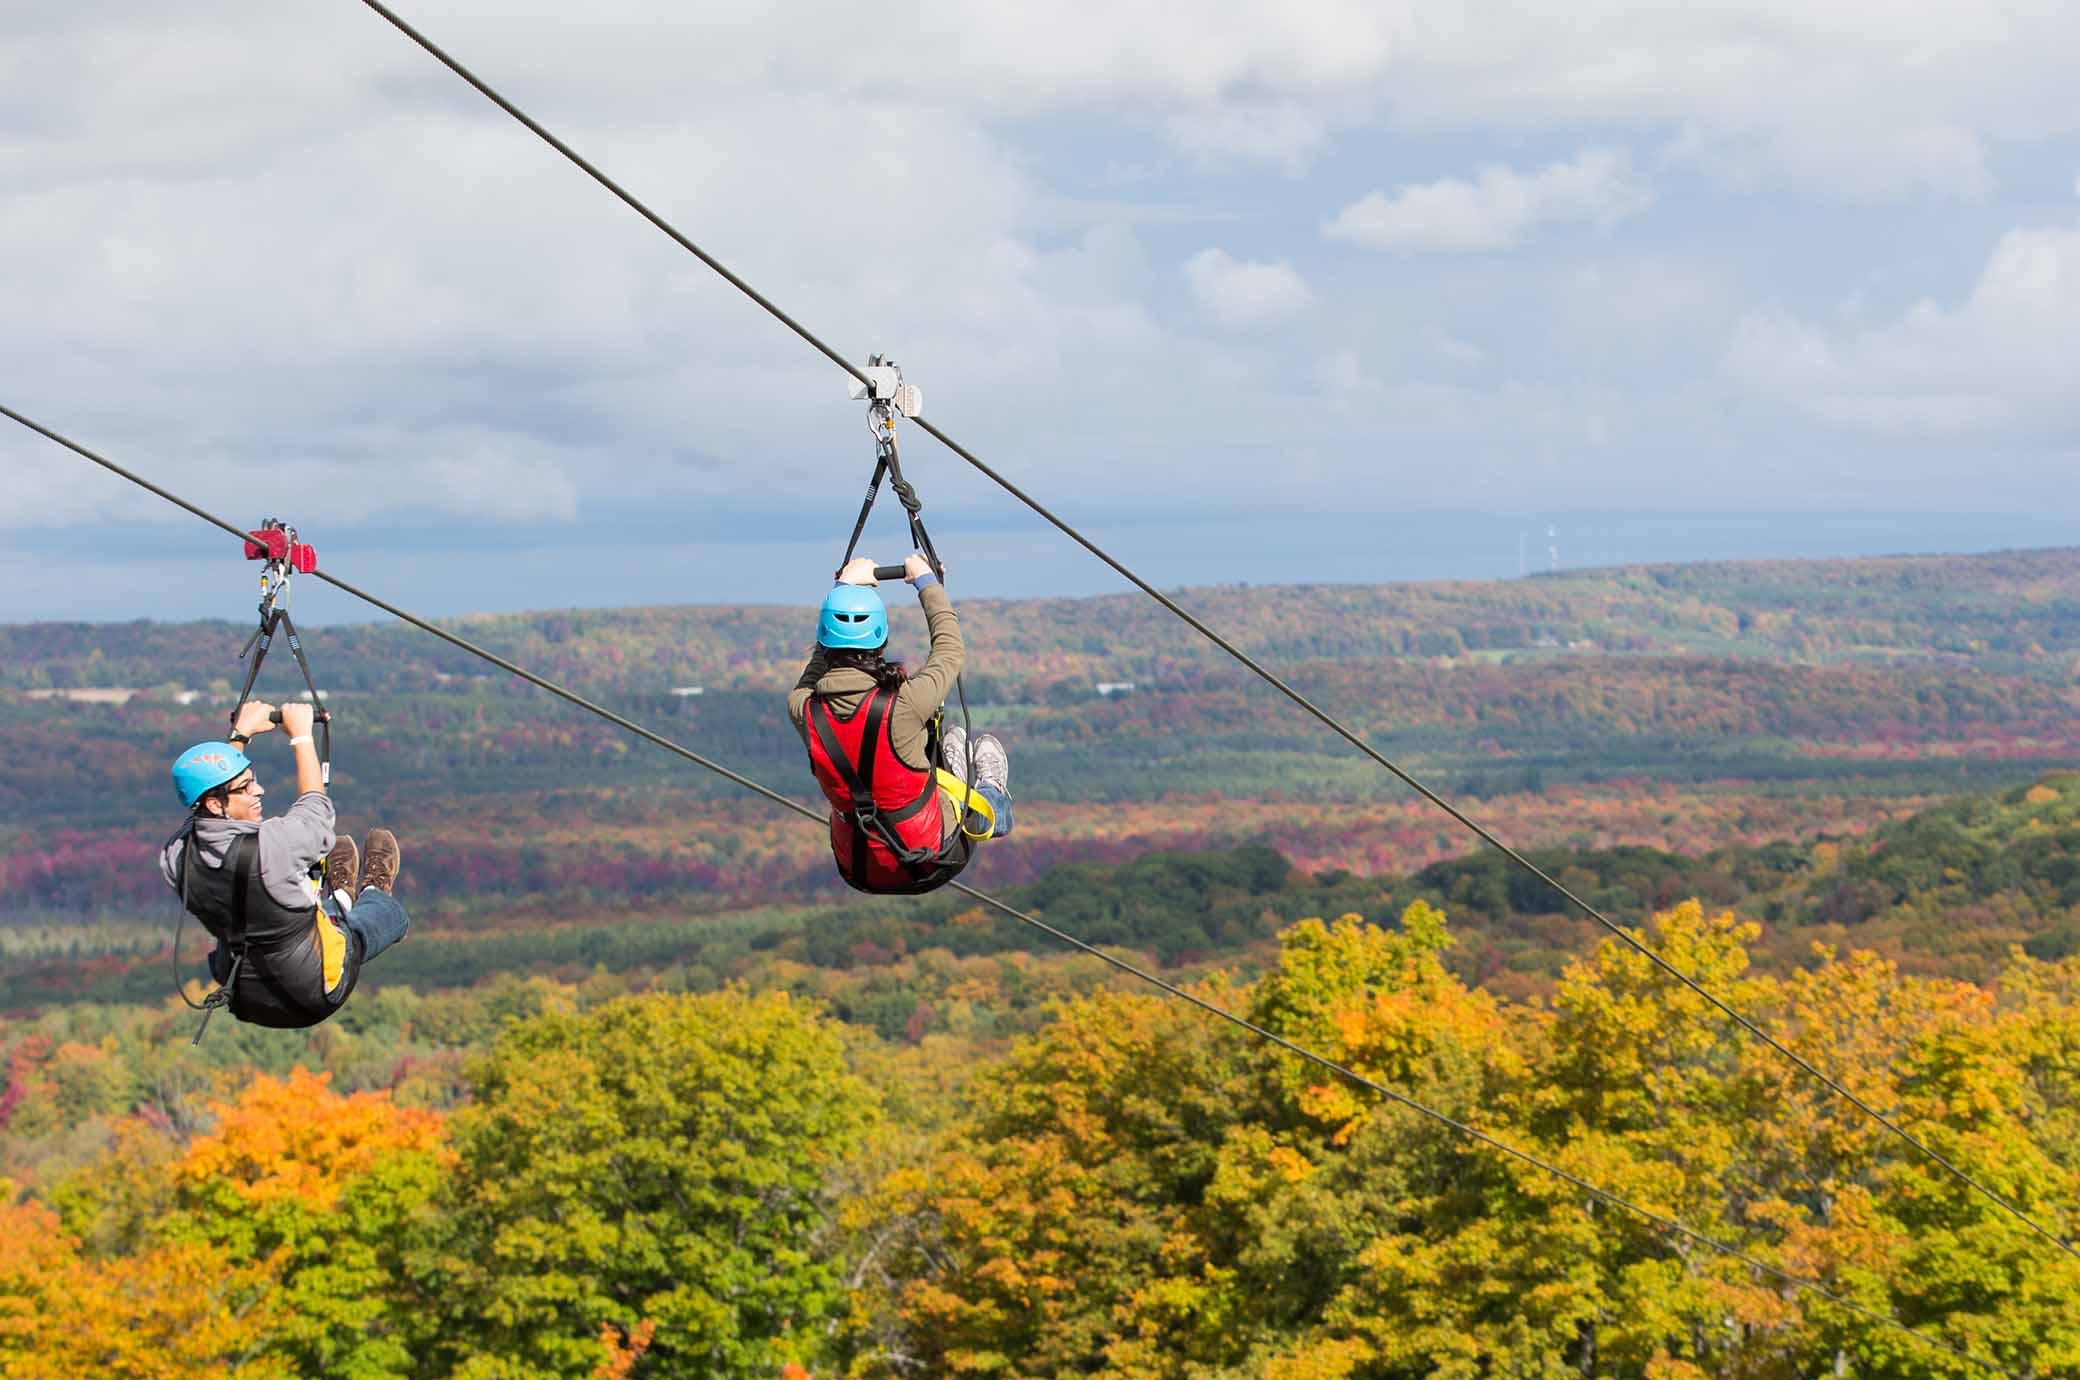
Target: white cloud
[(236, 232), (375, 262), (1851, 156), (1244, 292), (1864, 98), (1462, 353), (496, 485), (1341, 372), (1497, 210), (1998, 362)]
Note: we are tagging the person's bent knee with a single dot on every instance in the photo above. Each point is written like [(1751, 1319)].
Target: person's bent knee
[(380, 921)]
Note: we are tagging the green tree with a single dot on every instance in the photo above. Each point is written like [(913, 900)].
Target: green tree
[(661, 1161)]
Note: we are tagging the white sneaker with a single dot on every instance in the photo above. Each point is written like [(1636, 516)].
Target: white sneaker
[(953, 747), (992, 762)]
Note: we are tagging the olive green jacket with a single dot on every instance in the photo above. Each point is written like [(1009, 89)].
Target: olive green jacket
[(920, 697)]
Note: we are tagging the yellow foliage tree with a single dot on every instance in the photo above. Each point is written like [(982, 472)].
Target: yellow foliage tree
[(171, 1312)]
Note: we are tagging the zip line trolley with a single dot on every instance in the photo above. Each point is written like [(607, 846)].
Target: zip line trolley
[(274, 544)]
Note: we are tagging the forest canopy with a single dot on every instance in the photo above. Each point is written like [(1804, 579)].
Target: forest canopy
[(734, 1184)]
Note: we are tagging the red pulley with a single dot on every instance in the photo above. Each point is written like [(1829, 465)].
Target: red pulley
[(273, 544), (268, 544)]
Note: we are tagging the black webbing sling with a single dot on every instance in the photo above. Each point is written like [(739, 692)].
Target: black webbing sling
[(888, 464), (272, 617)]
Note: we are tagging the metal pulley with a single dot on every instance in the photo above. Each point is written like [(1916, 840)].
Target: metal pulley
[(886, 390)]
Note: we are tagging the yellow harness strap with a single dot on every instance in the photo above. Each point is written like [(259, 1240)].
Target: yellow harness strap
[(332, 943), (959, 797)]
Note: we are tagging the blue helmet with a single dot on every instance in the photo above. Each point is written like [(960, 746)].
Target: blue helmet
[(203, 768), (853, 618)]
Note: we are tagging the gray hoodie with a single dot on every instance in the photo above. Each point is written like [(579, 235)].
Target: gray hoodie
[(289, 844)]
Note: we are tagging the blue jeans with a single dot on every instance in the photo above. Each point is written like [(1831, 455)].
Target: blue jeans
[(999, 802), (378, 919)]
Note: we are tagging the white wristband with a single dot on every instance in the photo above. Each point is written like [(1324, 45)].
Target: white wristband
[(300, 740)]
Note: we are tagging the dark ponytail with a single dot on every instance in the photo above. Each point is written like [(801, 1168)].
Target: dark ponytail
[(889, 675)]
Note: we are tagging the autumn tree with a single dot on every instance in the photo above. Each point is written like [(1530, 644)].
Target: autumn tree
[(658, 1167), (1145, 1190), (170, 1312), (1142, 1193)]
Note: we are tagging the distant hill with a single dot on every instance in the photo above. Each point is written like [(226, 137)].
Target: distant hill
[(1685, 708), (2011, 612)]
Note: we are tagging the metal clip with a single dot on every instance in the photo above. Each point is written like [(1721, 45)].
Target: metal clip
[(278, 564)]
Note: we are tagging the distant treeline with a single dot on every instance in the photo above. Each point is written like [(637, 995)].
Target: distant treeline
[(1481, 728), (2018, 609), (1949, 890)]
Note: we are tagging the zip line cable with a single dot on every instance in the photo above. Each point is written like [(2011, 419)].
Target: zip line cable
[(1328, 720), (1658, 1220)]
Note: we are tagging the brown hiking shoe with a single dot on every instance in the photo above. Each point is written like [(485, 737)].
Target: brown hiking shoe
[(379, 870), (342, 866)]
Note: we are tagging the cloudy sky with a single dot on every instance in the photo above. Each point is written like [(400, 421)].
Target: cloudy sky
[(1256, 291)]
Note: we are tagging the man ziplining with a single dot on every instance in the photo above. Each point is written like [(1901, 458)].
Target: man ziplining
[(284, 956)]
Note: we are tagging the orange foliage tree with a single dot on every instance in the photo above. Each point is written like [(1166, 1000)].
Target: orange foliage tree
[(177, 1310)]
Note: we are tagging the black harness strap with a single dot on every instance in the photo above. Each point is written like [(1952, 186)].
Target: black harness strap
[(867, 816), (242, 862), (873, 492), (243, 873), (181, 890)]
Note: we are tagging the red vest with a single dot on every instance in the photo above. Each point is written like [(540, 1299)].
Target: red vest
[(886, 826)]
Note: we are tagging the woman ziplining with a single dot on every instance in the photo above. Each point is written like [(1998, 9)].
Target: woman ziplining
[(909, 798), (294, 908)]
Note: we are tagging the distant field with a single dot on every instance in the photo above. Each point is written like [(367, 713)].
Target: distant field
[(1687, 708)]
